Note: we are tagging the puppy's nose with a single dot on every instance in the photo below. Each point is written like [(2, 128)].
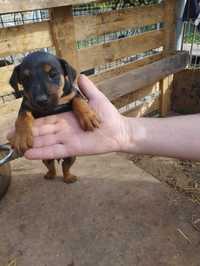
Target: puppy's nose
[(42, 100)]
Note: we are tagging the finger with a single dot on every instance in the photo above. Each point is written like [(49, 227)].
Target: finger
[(56, 151), (52, 119), (45, 130), (88, 88), (54, 124), (46, 140)]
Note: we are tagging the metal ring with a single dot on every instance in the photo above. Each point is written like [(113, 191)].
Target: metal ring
[(7, 157)]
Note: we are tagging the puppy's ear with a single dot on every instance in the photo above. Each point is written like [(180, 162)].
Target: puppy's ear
[(15, 81), (68, 70)]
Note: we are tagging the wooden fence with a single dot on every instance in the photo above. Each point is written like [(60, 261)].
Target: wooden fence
[(123, 84)]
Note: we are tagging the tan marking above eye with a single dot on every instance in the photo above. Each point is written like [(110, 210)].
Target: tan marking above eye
[(47, 67)]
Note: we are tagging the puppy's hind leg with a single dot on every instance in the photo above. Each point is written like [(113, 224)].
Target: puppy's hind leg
[(50, 164), (66, 164)]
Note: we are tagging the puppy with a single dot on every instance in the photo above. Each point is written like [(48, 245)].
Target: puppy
[(49, 87)]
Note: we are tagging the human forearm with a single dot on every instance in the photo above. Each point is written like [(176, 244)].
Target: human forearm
[(61, 136), (177, 137)]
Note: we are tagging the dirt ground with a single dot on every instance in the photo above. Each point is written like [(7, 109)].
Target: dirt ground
[(117, 214), (181, 175)]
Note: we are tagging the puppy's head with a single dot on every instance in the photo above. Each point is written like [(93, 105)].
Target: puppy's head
[(44, 78)]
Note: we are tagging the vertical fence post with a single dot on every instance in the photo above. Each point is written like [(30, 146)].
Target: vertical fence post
[(63, 34), (170, 25), (170, 45)]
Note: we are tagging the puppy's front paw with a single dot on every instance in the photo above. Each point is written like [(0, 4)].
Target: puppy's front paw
[(89, 120), (22, 141)]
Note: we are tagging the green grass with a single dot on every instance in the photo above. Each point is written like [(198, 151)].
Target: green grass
[(189, 38), (190, 35)]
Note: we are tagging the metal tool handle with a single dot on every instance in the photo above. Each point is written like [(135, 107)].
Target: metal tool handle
[(10, 154)]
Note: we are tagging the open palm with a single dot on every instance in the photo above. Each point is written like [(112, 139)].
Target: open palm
[(60, 136)]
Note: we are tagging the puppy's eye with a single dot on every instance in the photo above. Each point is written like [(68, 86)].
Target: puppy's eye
[(53, 74)]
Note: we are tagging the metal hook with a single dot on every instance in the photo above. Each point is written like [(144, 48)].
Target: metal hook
[(10, 154)]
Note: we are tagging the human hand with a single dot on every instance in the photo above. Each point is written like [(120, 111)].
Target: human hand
[(60, 136)]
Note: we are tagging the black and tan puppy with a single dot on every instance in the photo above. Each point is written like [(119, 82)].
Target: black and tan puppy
[(49, 87)]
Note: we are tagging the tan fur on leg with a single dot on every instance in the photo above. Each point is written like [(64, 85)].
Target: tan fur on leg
[(23, 137), (66, 164)]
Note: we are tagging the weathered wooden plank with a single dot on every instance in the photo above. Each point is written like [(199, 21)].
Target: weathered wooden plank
[(165, 95), (136, 95), (138, 78), (111, 51), (124, 68), (5, 74), (9, 6), (24, 38), (170, 45), (144, 109), (117, 20), (12, 106), (8, 98), (170, 25), (63, 34)]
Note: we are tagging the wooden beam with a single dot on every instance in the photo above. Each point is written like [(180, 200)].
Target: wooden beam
[(11, 106), (144, 109), (136, 95), (165, 95), (63, 34), (143, 76), (170, 45), (170, 25), (24, 38), (117, 20), (125, 68), (109, 52), (5, 74), (10, 6)]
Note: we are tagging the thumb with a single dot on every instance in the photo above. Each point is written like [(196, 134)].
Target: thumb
[(88, 88)]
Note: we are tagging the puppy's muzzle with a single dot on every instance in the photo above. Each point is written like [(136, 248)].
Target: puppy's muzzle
[(42, 100)]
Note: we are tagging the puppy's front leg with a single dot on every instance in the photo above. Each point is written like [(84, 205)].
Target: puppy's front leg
[(87, 117), (23, 137)]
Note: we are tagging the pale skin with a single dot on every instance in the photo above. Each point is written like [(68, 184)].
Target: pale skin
[(60, 136)]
